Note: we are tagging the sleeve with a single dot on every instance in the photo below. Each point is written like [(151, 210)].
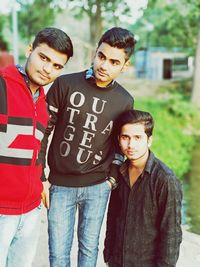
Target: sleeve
[(118, 155), (54, 103), (170, 233), (111, 225)]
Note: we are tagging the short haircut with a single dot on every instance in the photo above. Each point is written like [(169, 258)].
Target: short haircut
[(56, 39), (120, 38), (133, 117)]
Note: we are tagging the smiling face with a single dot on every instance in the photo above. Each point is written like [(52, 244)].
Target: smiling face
[(44, 65), (134, 142), (108, 63)]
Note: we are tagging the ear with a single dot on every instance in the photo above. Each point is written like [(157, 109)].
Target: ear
[(126, 65), (29, 49), (150, 140)]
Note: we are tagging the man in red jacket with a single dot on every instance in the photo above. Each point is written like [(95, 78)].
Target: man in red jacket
[(23, 119)]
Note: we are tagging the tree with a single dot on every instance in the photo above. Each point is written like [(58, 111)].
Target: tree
[(196, 79), (3, 22), (176, 25), (99, 12), (34, 15), (171, 26)]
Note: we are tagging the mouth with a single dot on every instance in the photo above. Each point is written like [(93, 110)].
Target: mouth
[(103, 74), (130, 152), (44, 76)]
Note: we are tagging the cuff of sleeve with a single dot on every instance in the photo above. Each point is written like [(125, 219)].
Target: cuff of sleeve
[(113, 182)]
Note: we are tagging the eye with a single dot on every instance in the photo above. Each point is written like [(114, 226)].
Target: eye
[(44, 58), (101, 56), (115, 63), (124, 137), (137, 137), (58, 67)]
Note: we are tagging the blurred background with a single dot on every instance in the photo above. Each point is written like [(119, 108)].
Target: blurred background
[(164, 76)]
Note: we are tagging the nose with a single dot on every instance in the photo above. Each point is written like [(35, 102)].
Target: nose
[(131, 143), (104, 65), (47, 67)]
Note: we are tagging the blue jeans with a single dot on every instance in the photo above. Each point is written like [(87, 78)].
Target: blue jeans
[(18, 238), (91, 202)]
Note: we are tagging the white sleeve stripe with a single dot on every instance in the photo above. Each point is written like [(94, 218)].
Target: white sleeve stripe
[(53, 108)]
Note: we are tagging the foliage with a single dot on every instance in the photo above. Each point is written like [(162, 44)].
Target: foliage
[(182, 87), (3, 20), (33, 16), (100, 13), (177, 27), (172, 142)]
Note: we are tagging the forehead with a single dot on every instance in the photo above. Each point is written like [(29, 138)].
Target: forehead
[(112, 52), (53, 55), (133, 129)]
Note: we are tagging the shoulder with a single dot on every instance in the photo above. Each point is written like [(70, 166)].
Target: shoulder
[(66, 81), (163, 174), (71, 77), (122, 93)]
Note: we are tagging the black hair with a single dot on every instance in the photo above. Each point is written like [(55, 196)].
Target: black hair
[(135, 116), (120, 38), (56, 39)]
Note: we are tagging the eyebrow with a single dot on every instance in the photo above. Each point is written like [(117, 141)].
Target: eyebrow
[(55, 64), (111, 59), (126, 135)]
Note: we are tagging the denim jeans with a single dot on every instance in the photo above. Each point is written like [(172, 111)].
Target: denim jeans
[(91, 202), (18, 238)]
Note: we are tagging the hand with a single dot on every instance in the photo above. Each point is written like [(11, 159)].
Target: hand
[(45, 194)]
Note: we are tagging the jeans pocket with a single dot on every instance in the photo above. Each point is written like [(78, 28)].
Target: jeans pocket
[(52, 188)]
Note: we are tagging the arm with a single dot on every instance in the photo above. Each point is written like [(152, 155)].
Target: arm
[(53, 105), (169, 223), (53, 102), (118, 156)]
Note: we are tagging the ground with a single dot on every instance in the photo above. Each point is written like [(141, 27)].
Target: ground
[(189, 252)]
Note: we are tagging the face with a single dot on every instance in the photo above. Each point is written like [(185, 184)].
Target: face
[(44, 65), (134, 142), (108, 63)]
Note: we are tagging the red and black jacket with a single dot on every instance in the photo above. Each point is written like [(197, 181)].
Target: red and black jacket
[(22, 125)]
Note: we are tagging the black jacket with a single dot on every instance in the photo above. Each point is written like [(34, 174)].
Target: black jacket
[(144, 222)]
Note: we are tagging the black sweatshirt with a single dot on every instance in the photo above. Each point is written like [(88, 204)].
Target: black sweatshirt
[(82, 116)]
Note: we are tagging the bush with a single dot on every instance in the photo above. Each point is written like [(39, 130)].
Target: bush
[(172, 142)]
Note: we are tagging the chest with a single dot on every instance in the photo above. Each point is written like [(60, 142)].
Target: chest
[(94, 111), (138, 201)]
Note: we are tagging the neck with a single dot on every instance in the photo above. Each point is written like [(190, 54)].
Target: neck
[(33, 88), (136, 168), (140, 162), (102, 84)]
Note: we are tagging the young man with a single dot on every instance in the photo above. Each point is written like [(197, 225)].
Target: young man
[(83, 108), (144, 215), (23, 119)]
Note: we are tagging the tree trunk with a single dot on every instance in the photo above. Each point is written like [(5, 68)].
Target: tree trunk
[(196, 79), (96, 24)]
